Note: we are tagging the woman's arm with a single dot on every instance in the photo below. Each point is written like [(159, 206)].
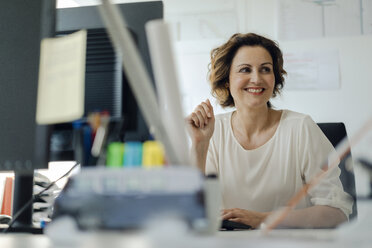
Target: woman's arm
[(199, 154), (319, 216), (312, 217), (327, 196), (200, 125)]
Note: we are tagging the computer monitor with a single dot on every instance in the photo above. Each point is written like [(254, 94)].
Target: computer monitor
[(24, 145), (106, 86)]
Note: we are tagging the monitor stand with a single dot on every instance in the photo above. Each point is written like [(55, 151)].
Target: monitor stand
[(23, 192)]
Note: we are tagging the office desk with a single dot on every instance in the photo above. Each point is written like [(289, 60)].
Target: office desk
[(229, 239), (356, 234)]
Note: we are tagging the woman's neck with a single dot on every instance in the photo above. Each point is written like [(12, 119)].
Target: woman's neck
[(253, 121)]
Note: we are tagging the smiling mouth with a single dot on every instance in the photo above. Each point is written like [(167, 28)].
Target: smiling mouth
[(254, 90)]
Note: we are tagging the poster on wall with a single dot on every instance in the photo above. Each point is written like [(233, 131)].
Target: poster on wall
[(315, 70), (309, 19), (201, 20)]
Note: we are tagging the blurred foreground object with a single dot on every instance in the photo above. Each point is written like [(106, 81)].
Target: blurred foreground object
[(126, 199)]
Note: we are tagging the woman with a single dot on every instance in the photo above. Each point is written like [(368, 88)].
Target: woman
[(262, 156)]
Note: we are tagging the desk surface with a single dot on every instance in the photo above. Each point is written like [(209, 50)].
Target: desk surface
[(281, 238), (354, 234)]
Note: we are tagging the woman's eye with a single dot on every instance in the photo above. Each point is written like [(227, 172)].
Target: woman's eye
[(266, 69), (245, 69)]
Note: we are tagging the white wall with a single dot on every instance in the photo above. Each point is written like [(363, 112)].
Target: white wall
[(351, 103)]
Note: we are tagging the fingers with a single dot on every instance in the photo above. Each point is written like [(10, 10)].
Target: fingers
[(202, 113), (228, 210), (210, 108), (245, 216), (231, 213), (197, 119), (236, 219), (227, 216)]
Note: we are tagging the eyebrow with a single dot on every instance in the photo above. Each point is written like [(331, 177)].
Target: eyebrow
[(266, 63)]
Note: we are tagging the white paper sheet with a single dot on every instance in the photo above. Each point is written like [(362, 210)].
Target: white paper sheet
[(312, 70), (61, 79), (316, 19)]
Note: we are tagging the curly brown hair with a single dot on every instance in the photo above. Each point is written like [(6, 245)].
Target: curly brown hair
[(221, 59)]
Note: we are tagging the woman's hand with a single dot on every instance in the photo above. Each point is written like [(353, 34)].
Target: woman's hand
[(201, 123), (252, 218)]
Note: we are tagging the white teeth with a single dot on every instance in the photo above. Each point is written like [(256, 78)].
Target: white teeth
[(255, 90)]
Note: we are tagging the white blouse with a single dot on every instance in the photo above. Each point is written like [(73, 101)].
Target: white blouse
[(265, 178)]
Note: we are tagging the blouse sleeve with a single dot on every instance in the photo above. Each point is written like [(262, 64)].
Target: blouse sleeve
[(315, 148)]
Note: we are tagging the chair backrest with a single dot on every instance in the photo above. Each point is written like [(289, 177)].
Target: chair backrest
[(335, 132)]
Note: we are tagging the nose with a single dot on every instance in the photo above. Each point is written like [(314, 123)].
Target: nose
[(255, 76)]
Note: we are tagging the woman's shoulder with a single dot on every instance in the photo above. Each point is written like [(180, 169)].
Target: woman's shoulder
[(293, 117), (296, 122)]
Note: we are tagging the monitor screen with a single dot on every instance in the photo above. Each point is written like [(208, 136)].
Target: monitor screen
[(106, 86), (24, 145)]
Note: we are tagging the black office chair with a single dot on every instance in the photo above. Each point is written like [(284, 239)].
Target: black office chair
[(335, 132)]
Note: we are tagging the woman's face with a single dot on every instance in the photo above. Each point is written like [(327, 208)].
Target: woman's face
[(251, 77)]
